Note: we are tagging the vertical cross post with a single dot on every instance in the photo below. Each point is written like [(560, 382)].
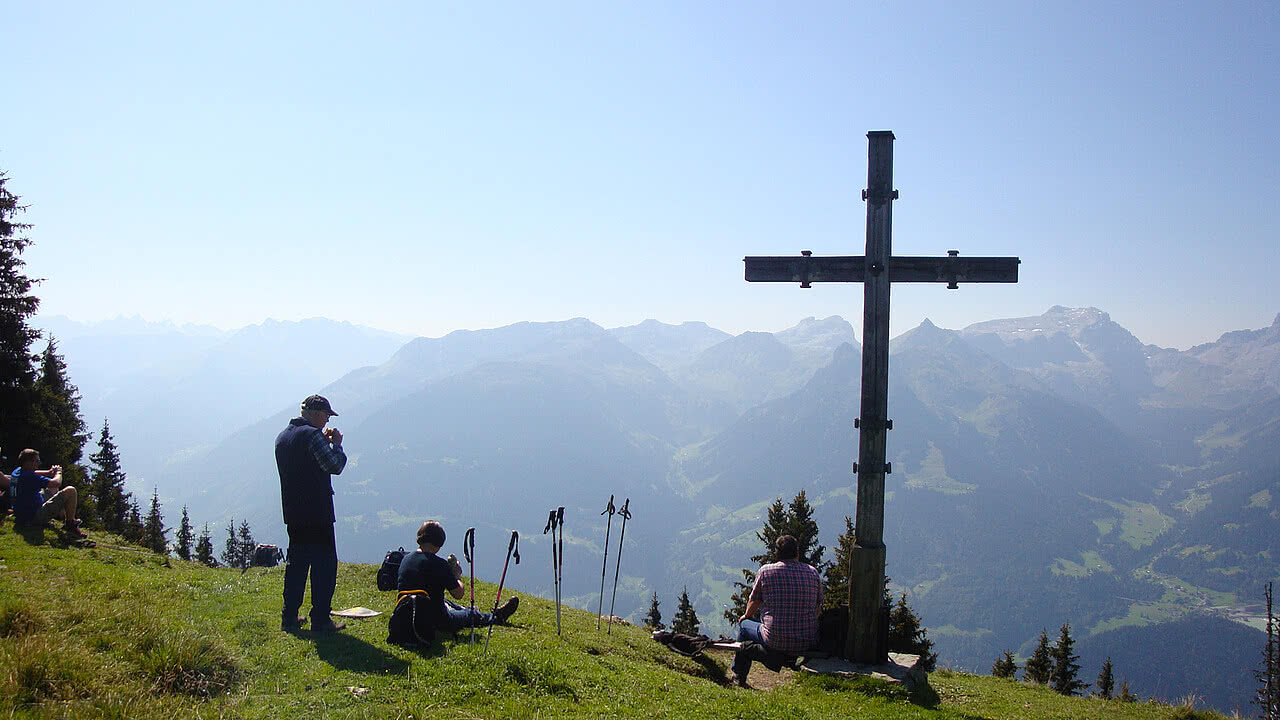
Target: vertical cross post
[(868, 637)]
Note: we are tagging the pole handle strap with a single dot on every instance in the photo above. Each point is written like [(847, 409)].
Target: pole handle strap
[(625, 512), (513, 546), (469, 544)]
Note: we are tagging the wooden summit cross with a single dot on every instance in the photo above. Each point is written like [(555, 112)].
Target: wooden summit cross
[(868, 618)]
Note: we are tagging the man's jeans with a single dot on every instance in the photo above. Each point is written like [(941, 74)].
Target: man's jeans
[(748, 630), (314, 550), (464, 617)]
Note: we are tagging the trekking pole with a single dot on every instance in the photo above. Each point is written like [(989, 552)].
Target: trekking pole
[(610, 510), (555, 563), (560, 567), (469, 551), (512, 546), (625, 512)]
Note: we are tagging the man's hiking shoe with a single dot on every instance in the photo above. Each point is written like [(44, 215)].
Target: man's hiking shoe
[(72, 530), (293, 625), (740, 681), (328, 626), (507, 610)]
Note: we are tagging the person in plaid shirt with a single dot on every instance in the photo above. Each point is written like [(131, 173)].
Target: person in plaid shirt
[(788, 596)]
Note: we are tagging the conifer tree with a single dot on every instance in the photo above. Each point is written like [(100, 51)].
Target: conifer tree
[(133, 530), (1106, 681), (907, 635), (1125, 695), (653, 620), (17, 306), (204, 548), (835, 586), (1267, 696), (247, 544), (1039, 667), (55, 415), (183, 539), (686, 620), (153, 530), (795, 519), (231, 547), (106, 485), (1066, 671), (1004, 666)]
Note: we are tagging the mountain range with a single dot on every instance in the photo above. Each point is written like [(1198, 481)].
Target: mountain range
[(1046, 470)]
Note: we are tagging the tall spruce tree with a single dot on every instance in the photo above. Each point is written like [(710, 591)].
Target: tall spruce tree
[(183, 539), (1004, 666), (907, 634), (1066, 671), (1039, 667), (55, 413), (1267, 696), (1106, 684), (653, 620), (153, 530), (685, 620), (106, 484), (795, 519), (17, 305), (204, 548)]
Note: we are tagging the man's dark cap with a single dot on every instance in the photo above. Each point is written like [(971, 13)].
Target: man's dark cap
[(318, 402)]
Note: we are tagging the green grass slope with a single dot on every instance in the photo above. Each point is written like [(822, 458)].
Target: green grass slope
[(114, 633)]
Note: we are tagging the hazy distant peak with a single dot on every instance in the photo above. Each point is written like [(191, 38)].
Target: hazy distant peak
[(1057, 319), (926, 334)]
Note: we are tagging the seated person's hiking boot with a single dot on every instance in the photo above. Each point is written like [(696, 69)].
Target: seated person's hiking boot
[(293, 625), (72, 529), (507, 610), (328, 626)]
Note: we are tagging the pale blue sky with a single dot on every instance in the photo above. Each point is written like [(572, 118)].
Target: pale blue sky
[(427, 166)]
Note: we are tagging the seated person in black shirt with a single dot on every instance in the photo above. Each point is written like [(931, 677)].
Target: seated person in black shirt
[(425, 572)]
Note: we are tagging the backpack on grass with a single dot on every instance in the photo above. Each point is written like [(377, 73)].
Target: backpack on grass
[(390, 570), (410, 622)]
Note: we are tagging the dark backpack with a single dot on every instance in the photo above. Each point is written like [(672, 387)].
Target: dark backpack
[(389, 573), (267, 556), (410, 621)]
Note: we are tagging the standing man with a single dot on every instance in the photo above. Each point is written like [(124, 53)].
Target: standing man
[(788, 596), (307, 456), (29, 505)]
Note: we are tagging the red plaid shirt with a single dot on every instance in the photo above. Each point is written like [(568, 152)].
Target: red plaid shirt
[(792, 595)]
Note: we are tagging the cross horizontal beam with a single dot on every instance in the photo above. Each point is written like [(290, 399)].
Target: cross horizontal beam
[(806, 269)]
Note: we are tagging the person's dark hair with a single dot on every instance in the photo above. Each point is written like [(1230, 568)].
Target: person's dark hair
[(26, 455), (788, 548), (431, 533)]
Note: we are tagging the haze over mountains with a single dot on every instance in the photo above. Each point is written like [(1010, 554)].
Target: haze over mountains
[(1045, 470)]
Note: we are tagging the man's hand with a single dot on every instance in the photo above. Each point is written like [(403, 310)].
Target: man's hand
[(333, 435)]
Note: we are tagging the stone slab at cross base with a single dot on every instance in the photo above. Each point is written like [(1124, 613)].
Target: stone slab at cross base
[(901, 668)]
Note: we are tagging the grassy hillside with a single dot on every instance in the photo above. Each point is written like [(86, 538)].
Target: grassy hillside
[(88, 633)]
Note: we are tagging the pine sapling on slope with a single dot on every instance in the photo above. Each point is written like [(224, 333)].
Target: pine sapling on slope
[(231, 546), (1106, 684), (153, 529), (908, 636), (1004, 666), (106, 484), (1267, 696), (1039, 667), (835, 584), (133, 530), (204, 548), (248, 545), (184, 538), (1066, 671), (686, 620), (653, 620)]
